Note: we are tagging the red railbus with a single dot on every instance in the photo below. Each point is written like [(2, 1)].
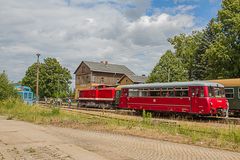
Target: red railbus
[(197, 97)]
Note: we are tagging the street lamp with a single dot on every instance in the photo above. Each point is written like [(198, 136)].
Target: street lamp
[(37, 82)]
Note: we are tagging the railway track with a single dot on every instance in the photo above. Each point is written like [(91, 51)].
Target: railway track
[(129, 114)]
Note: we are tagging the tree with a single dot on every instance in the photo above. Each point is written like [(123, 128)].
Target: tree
[(200, 66), (185, 48), (6, 88), (223, 54), (169, 68), (54, 79)]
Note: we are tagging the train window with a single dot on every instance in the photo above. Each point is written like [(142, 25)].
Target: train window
[(217, 92), (25, 96), (164, 92), (220, 92), (238, 93), (29, 95), (170, 92), (185, 93), (154, 93), (143, 93), (210, 92), (229, 93), (201, 92), (26, 89), (133, 93), (178, 92), (181, 92)]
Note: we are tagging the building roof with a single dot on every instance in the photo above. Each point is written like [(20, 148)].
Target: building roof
[(135, 79), (174, 84), (108, 68)]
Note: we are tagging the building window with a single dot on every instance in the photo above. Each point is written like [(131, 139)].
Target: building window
[(102, 80), (229, 93)]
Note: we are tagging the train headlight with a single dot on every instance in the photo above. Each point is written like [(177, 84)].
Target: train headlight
[(211, 104)]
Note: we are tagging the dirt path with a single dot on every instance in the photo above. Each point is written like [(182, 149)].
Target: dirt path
[(21, 140)]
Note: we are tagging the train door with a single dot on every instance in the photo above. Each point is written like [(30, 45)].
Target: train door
[(117, 97), (123, 99), (197, 100)]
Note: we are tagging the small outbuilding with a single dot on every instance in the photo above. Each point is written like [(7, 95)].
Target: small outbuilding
[(132, 79)]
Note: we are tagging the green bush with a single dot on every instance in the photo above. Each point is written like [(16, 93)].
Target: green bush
[(55, 111), (147, 117), (6, 89)]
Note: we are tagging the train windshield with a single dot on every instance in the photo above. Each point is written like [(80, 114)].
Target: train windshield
[(217, 92)]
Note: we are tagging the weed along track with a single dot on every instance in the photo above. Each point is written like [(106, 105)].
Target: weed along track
[(214, 135), (55, 143), (161, 118)]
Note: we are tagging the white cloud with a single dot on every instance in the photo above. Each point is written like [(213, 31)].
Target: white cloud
[(183, 1), (118, 32)]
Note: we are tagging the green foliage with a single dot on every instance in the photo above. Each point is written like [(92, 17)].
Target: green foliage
[(6, 89), (224, 136), (169, 68), (223, 54), (55, 111), (211, 53), (147, 117), (54, 79)]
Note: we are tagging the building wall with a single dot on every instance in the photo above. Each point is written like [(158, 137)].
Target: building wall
[(125, 81), (83, 75), (85, 78), (106, 78)]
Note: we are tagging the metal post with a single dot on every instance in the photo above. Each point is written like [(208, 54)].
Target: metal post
[(37, 82)]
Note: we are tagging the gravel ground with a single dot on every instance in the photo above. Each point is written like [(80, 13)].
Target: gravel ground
[(22, 140)]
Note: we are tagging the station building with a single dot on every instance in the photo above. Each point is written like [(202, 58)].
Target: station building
[(89, 74)]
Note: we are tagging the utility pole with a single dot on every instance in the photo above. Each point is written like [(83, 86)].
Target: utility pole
[(37, 82)]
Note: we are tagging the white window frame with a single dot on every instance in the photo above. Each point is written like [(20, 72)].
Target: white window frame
[(233, 93)]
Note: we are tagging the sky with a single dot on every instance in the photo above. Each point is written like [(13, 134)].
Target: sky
[(129, 32)]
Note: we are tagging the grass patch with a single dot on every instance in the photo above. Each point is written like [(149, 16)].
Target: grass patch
[(206, 135)]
